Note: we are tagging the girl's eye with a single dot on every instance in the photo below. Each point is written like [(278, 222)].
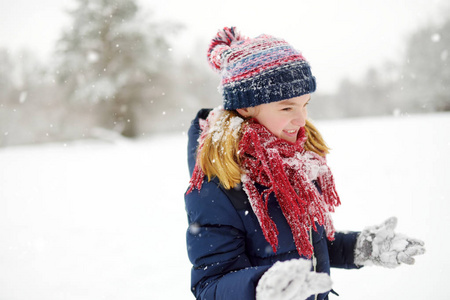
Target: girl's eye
[(287, 109)]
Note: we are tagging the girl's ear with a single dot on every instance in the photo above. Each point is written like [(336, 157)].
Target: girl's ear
[(245, 112)]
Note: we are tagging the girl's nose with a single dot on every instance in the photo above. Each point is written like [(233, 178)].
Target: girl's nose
[(299, 120)]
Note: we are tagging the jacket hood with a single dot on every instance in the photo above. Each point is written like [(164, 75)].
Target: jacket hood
[(193, 135)]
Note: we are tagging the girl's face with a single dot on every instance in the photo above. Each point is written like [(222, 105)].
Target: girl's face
[(283, 118)]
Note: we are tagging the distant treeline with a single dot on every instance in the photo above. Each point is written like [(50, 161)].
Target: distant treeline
[(113, 74)]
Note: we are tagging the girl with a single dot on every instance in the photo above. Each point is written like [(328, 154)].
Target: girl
[(261, 193)]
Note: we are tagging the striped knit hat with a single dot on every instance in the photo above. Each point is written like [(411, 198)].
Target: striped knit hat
[(257, 71)]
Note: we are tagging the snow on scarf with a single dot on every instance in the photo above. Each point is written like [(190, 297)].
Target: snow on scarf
[(287, 170)]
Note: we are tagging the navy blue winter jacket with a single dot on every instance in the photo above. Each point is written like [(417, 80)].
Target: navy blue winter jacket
[(226, 245)]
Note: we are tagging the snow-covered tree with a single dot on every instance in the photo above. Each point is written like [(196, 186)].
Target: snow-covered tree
[(110, 52), (420, 83), (427, 68), (5, 68)]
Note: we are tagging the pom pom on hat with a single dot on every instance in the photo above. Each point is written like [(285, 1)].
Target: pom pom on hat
[(221, 43), (258, 70)]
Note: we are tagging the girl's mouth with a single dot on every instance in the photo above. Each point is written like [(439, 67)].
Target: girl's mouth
[(292, 132)]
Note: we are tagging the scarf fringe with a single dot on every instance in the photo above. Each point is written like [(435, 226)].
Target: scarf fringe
[(196, 180)]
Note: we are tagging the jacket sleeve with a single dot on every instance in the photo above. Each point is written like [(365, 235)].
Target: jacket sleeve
[(342, 250), (216, 247)]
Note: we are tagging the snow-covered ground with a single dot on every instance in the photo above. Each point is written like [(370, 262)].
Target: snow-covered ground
[(92, 221)]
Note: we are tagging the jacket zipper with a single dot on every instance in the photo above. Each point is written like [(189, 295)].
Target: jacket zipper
[(314, 260)]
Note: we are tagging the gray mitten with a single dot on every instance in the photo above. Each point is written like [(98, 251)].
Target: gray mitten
[(292, 280), (380, 245)]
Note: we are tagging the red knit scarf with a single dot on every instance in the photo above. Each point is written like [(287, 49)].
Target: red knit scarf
[(288, 171)]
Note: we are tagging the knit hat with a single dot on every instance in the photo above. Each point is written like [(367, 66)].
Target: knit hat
[(257, 71)]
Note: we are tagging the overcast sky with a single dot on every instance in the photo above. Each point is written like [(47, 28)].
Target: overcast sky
[(340, 38)]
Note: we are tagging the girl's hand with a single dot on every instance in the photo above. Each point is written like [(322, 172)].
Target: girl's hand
[(380, 245), (292, 280)]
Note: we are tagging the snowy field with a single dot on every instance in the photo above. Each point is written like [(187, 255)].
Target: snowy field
[(91, 221)]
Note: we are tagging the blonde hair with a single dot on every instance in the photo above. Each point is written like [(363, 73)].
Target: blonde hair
[(219, 157)]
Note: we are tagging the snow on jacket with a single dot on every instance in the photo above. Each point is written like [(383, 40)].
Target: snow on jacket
[(226, 245)]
